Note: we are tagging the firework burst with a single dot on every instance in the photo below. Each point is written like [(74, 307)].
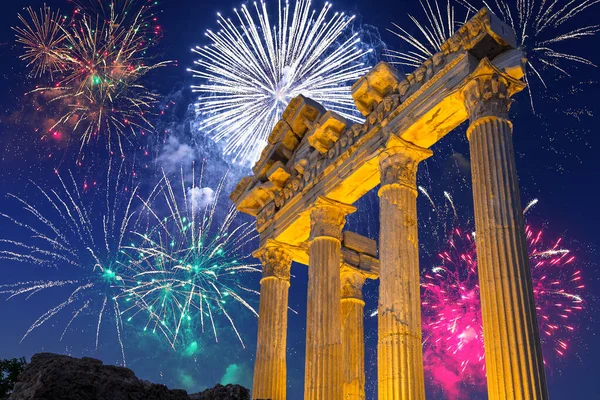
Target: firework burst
[(542, 28), (42, 39), (452, 326), (252, 69), (82, 242), (188, 266), (439, 24), (95, 63)]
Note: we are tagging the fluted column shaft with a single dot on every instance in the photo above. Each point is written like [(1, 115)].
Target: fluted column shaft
[(323, 372), (353, 334), (270, 366), (399, 347), (515, 369)]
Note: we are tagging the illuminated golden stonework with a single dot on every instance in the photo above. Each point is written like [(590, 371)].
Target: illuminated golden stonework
[(317, 164)]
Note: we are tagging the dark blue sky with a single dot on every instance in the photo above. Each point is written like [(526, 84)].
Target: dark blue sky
[(556, 160)]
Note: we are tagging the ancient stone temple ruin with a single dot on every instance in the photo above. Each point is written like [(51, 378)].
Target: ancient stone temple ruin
[(317, 164)]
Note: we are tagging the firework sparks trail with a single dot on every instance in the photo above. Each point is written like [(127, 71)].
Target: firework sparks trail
[(42, 38), (188, 267), (541, 27), (63, 234), (449, 198), (439, 25), (252, 69), (94, 64), (452, 326), (530, 205)]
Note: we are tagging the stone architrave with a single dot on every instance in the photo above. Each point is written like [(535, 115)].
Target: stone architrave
[(270, 366), (399, 357), (515, 368), (323, 371), (353, 333)]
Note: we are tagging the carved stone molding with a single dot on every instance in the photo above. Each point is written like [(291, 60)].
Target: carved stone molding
[(352, 281), (488, 92), (484, 26), (327, 218), (398, 164), (276, 260)]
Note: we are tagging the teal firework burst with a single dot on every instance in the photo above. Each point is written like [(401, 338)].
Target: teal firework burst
[(189, 266)]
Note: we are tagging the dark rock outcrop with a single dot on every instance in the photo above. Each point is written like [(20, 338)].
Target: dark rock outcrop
[(220, 392), (57, 377)]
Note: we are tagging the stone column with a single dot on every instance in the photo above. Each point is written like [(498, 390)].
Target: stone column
[(399, 347), (515, 369), (270, 365), (353, 334), (323, 372)]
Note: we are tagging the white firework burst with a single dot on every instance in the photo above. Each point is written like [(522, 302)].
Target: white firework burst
[(439, 24), (542, 28), (252, 69), (80, 241)]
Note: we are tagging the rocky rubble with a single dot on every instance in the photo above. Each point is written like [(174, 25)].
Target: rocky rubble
[(57, 377), (220, 392)]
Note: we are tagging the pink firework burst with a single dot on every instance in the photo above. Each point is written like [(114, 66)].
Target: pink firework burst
[(452, 328)]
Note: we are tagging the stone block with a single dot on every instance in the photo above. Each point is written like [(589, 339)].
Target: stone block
[(359, 243), (370, 90), (331, 126), (302, 113), (278, 174)]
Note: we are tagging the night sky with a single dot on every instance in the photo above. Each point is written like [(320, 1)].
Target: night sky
[(556, 160)]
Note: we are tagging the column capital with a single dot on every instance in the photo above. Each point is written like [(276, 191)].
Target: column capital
[(399, 162), (327, 217), (352, 281), (487, 93), (276, 258)]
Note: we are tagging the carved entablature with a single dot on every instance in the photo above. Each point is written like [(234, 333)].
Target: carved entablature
[(307, 168), (278, 174), (369, 90), (300, 116), (255, 197), (313, 152), (241, 187), (327, 132), (283, 133), (484, 35)]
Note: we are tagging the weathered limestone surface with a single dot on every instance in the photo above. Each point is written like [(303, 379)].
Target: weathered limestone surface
[(317, 162), (515, 368), (270, 365), (313, 152), (399, 357), (323, 371), (353, 333)]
